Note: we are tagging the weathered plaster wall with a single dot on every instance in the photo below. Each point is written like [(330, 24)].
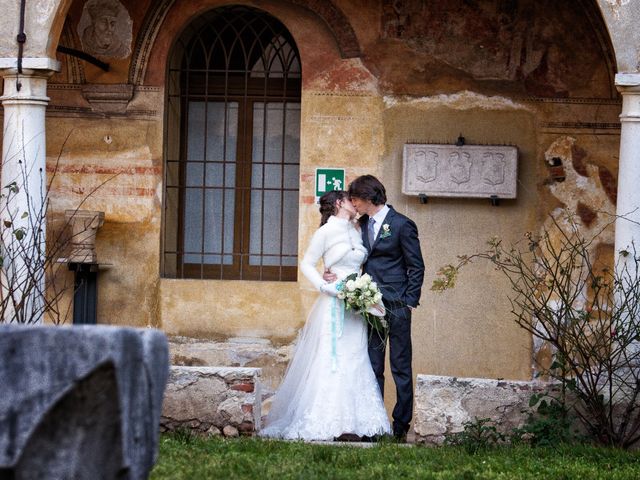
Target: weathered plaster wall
[(453, 331), (416, 81), (114, 165)]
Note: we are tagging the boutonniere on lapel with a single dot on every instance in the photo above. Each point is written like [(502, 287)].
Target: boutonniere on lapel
[(386, 231)]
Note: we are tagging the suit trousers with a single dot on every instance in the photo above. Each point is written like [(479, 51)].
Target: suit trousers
[(399, 318)]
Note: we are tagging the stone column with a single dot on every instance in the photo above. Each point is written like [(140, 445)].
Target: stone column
[(628, 204), (23, 185)]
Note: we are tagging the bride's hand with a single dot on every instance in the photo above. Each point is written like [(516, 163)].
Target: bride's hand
[(329, 276), (329, 289)]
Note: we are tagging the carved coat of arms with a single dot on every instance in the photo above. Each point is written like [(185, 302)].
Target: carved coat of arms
[(460, 167), (493, 165), (426, 166)]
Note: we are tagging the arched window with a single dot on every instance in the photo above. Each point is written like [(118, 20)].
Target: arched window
[(232, 150)]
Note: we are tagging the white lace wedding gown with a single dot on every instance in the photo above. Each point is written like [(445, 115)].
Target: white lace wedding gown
[(329, 387)]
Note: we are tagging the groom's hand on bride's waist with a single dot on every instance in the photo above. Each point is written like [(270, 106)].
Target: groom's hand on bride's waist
[(329, 276)]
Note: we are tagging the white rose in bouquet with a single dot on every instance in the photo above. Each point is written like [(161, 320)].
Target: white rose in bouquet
[(361, 294)]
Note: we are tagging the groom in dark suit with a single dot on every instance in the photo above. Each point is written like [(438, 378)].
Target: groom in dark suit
[(396, 265)]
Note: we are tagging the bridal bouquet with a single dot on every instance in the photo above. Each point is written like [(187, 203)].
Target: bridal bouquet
[(361, 294)]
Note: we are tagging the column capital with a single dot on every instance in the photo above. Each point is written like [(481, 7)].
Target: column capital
[(628, 82), (30, 86), (44, 64)]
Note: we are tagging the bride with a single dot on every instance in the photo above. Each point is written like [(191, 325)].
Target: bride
[(329, 388)]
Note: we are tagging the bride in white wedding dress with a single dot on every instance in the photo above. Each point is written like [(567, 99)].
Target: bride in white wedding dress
[(329, 388)]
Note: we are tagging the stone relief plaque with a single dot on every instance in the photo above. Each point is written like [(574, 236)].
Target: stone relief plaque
[(105, 29), (480, 171)]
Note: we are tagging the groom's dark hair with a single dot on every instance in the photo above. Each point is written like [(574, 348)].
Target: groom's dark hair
[(368, 187)]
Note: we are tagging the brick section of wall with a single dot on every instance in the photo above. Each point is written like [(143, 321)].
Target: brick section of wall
[(212, 400)]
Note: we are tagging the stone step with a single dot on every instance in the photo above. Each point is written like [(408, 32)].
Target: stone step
[(251, 352)]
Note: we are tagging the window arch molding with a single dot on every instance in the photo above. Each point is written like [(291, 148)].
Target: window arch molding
[(329, 14)]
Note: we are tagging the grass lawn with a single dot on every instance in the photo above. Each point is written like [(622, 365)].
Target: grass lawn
[(195, 458)]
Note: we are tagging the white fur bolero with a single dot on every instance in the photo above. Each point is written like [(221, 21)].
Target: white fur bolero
[(331, 242)]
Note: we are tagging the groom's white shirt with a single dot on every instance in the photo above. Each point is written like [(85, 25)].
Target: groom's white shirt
[(379, 218)]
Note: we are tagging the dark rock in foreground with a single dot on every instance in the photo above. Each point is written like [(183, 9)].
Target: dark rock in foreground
[(80, 402)]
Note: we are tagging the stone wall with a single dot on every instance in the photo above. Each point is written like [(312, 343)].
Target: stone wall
[(212, 400), (272, 360), (444, 404)]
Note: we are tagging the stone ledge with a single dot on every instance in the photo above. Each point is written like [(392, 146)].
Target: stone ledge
[(443, 404), (213, 400)]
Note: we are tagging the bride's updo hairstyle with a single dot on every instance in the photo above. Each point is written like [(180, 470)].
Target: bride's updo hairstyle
[(328, 204)]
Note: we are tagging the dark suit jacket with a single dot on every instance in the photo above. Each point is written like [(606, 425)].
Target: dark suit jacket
[(395, 260)]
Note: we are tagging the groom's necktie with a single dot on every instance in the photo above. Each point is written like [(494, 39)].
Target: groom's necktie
[(371, 231)]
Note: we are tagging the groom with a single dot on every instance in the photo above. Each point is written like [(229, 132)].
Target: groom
[(395, 263)]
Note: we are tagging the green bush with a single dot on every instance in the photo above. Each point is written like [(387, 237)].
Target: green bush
[(549, 423), (476, 435)]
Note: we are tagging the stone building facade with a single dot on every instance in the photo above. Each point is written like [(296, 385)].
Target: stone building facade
[(203, 157)]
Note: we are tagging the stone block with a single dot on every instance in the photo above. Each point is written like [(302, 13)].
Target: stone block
[(230, 431), (460, 171), (203, 398), (80, 402), (444, 404)]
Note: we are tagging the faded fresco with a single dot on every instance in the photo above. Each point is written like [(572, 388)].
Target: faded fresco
[(542, 47)]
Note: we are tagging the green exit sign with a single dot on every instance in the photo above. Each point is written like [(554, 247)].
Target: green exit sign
[(328, 179)]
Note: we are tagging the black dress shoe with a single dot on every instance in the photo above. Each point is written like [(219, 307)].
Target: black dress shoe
[(347, 437), (400, 434), (400, 437)]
